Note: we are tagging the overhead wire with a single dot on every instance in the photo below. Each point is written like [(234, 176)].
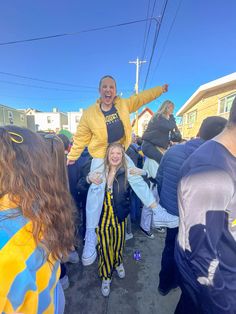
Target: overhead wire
[(46, 81), (74, 33), (44, 87), (146, 34), (93, 89), (157, 31), (167, 38)]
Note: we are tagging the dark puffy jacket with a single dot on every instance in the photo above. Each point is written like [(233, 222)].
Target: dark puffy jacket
[(158, 130), (133, 152), (168, 174), (75, 172), (121, 192)]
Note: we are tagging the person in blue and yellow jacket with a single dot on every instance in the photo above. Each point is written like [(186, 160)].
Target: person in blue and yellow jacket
[(106, 122), (35, 229)]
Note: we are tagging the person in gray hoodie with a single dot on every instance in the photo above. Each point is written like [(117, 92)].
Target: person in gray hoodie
[(205, 250)]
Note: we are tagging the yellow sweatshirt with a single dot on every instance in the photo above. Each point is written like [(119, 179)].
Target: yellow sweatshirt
[(92, 129)]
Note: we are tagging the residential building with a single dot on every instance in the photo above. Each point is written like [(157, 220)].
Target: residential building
[(141, 121), (73, 120), (10, 115), (50, 121), (30, 115), (211, 99)]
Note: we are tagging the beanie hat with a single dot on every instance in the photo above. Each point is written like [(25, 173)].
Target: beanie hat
[(211, 126)]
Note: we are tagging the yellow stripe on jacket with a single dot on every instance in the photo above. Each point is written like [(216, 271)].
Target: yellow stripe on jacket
[(21, 262)]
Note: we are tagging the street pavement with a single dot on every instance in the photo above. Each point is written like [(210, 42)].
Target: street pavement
[(135, 294)]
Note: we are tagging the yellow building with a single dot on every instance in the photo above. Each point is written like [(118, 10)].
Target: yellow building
[(211, 99)]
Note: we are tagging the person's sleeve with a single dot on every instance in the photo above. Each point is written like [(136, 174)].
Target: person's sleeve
[(137, 101), (203, 198), (82, 183), (81, 138)]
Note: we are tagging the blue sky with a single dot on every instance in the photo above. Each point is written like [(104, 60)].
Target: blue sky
[(196, 44)]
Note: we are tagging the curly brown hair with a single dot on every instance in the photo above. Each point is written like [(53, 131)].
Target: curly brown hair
[(28, 177)]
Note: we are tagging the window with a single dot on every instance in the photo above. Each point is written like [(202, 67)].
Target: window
[(179, 120), (22, 117), (10, 117), (77, 118), (49, 119), (191, 117), (144, 125), (226, 103)]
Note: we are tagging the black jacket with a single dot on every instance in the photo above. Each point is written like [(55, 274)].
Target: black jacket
[(121, 192), (158, 130), (133, 153)]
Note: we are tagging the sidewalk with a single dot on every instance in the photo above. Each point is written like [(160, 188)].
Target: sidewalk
[(136, 293)]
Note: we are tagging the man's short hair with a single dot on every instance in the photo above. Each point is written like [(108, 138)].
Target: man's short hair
[(211, 126)]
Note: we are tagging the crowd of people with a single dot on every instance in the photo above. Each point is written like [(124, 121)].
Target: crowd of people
[(52, 193)]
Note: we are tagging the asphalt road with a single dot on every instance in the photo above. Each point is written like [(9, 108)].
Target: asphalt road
[(136, 293)]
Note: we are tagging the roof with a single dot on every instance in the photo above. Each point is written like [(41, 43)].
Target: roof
[(140, 115), (203, 89)]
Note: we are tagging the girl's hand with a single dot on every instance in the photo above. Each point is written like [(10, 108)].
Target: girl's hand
[(95, 177), (165, 88), (137, 171), (70, 162)]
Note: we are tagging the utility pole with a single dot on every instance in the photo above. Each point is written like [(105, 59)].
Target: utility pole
[(137, 63)]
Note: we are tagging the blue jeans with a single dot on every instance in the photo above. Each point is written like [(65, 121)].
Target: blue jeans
[(96, 192), (135, 207)]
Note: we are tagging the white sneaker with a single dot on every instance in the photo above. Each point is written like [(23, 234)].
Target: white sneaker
[(128, 236), (64, 281), (89, 252), (161, 230), (161, 218), (73, 257), (106, 287), (120, 271)]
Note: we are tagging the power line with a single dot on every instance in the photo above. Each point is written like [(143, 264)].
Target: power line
[(145, 42), (57, 89), (43, 87), (75, 33), (46, 81), (147, 32), (167, 38), (158, 27), (42, 98)]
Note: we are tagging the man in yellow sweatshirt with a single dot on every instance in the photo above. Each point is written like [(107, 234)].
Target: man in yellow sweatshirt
[(105, 122)]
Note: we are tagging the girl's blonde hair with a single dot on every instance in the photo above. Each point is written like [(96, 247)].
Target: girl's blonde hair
[(164, 107), (123, 163)]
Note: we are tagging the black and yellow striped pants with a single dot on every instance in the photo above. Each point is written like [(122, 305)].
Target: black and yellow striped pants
[(111, 239)]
